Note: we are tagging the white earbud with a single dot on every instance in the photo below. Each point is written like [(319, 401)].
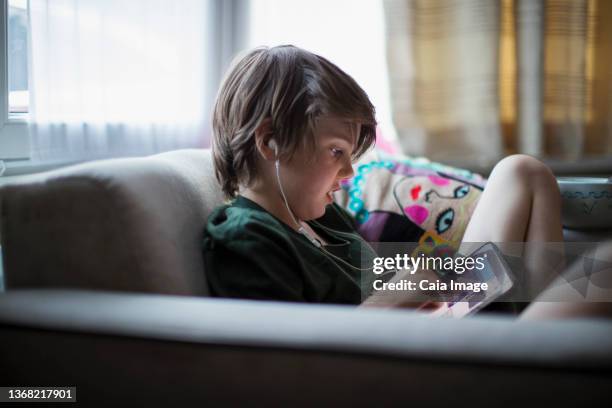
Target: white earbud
[(272, 145)]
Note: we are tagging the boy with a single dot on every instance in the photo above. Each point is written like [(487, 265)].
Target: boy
[(287, 126), (288, 104)]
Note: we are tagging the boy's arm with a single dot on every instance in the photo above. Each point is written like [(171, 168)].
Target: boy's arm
[(261, 276), (413, 299), (258, 263)]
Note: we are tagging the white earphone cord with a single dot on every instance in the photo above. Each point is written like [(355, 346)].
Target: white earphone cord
[(301, 229)]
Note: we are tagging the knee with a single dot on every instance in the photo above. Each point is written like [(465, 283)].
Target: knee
[(527, 170), (604, 251)]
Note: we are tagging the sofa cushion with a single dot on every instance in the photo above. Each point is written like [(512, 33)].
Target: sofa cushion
[(131, 224)]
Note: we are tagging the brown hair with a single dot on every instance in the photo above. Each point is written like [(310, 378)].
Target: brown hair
[(292, 87)]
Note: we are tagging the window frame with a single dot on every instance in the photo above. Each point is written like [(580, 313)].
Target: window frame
[(14, 129)]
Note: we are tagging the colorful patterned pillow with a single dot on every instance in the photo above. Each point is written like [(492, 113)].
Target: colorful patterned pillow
[(397, 198)]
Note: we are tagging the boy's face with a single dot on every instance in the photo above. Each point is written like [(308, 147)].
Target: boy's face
[(310, 177)]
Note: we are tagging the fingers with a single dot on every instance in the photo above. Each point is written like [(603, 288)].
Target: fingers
[(429, 306)]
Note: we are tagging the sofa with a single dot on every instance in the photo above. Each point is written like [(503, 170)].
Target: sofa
[(105, 290)]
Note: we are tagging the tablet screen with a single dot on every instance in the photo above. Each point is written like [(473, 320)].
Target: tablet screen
[(496, 274)]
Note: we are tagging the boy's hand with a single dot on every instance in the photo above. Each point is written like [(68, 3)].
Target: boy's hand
[(414, 299)]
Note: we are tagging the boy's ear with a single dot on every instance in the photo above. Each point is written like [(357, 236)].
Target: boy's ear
[(263, 135)]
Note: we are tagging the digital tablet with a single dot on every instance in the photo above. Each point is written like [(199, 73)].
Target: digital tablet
[(496, 274)]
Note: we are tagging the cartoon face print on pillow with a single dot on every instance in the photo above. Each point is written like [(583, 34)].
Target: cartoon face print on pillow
[(404, 199), (437, 203)]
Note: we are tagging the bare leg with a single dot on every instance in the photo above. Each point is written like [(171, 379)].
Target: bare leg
[(576, 293), (520, 204)]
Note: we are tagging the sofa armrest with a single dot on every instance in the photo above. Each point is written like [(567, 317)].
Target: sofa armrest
[(131, 224), (101, 340), (578, 343)]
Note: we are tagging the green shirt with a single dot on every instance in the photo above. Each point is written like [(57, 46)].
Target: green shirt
[(249, 253)]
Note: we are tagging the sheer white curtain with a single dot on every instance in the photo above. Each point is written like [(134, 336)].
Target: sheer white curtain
[(118, 78)]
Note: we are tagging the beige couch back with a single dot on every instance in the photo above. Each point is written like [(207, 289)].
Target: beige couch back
[(129, 224)]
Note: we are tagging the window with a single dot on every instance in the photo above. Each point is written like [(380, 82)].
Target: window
[(14, 140), (83, 80), (18, 56)]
